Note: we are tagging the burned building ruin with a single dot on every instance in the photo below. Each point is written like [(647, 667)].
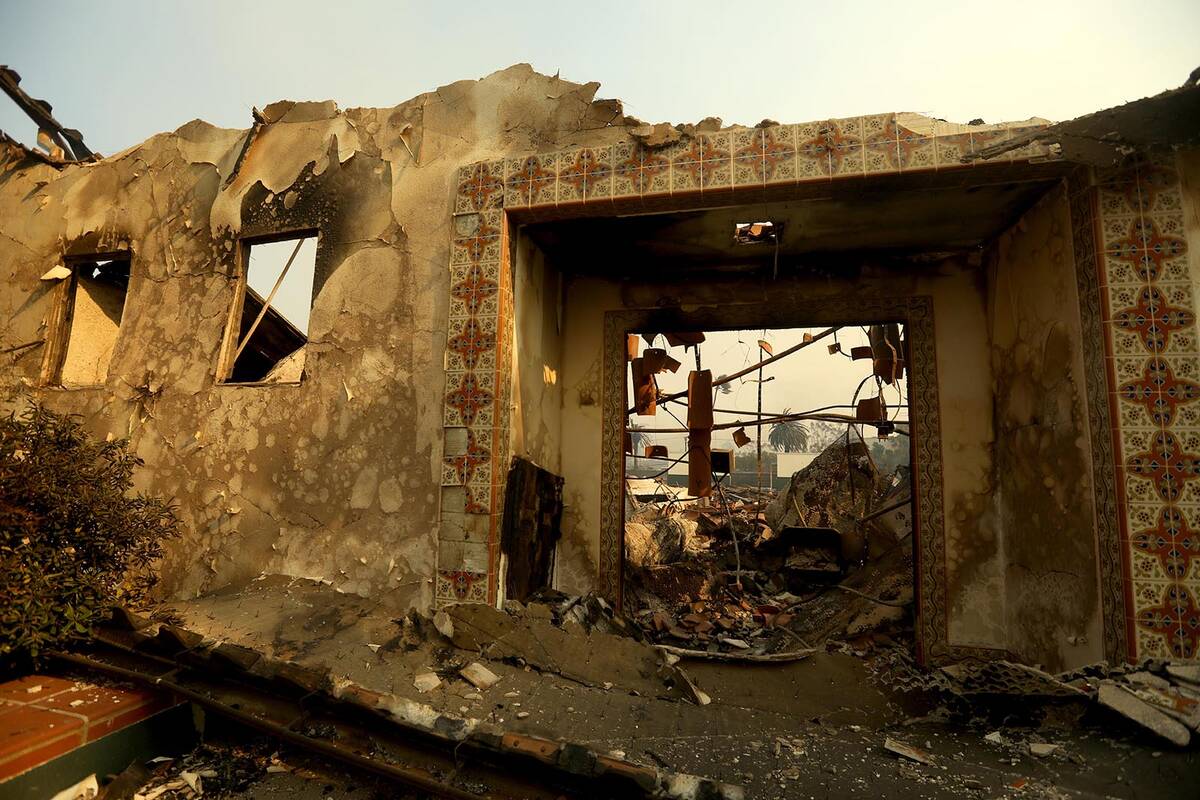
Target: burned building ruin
[(480, 255)]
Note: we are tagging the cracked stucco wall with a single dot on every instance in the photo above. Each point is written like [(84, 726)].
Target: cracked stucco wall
[(337, 478), (1043, 498), (536, 423)]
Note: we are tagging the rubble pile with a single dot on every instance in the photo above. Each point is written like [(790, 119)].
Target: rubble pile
[(819, 562), (837, 489), (211, 769), (1157, 696), (1160, 696)]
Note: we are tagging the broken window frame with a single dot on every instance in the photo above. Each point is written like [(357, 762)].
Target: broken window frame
[(61, 314), (231, 342)]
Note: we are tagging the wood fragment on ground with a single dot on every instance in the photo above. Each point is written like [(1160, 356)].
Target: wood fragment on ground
[(758, 658)]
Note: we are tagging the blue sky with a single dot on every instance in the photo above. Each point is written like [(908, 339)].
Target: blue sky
[(122, 70)]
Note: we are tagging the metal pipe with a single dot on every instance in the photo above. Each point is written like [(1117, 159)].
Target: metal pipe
[(839, 418), (753, 367), (882, 511), (758, 438)]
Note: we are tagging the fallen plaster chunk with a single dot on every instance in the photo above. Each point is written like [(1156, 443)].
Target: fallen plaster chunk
[(444, 625), (1041, 749), (88, 787), (427, 717), (57, 273), (1172, 702), (479, 676), (1188, 673), (1148, 679), (907, 751), (1129, 706), (193, 781), (427, 682), (692, 787), (688, 686), (655, 136), (374, 647), (994, 737)]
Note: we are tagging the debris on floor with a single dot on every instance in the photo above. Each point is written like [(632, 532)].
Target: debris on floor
[(412, 742), (1127, 702), (577, 679), (907, 751), (818, 563), (479, 676)]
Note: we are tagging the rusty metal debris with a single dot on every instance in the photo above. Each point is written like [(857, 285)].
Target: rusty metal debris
[(700, 424), (757, 232), (753, 367)]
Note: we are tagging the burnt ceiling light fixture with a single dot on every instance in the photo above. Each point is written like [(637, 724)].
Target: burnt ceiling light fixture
[(760, 233), (757, 232)]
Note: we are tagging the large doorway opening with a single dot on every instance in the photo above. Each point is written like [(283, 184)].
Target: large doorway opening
[(768, 490)]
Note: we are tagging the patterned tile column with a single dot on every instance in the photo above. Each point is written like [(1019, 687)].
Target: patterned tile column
[(1149, 320), (478, 389)]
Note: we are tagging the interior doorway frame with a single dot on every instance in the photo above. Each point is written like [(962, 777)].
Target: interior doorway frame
[(916, 314), (490, 199)]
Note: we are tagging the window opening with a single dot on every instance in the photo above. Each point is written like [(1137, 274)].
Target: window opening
[(272, 329), (94, 300)]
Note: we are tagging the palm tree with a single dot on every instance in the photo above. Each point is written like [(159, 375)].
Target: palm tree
[(788, 436)]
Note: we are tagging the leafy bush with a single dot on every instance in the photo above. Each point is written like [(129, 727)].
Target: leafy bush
[(73, 539)]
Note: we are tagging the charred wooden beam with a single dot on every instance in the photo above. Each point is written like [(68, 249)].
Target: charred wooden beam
[(68, 139)]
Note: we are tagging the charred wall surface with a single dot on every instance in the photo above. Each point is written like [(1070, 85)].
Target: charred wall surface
[(335, 478), (1043, 496), (813, 297)]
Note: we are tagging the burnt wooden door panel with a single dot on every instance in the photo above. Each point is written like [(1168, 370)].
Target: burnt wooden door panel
[(532, 519)]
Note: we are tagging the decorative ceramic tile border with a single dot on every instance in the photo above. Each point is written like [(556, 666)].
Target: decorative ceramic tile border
[(1099, 386), (475, 412), (728, 162), (723, 166), (1147, 313)]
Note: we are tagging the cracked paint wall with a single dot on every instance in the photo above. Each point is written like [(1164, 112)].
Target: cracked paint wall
[(1043, 496), (538, 361), (336, 478)]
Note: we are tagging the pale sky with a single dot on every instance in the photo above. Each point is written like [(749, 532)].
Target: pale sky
[(808, 379), (120, 71), (293, 299)]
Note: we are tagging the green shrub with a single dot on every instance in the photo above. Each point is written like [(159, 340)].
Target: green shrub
[(73, 539)]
